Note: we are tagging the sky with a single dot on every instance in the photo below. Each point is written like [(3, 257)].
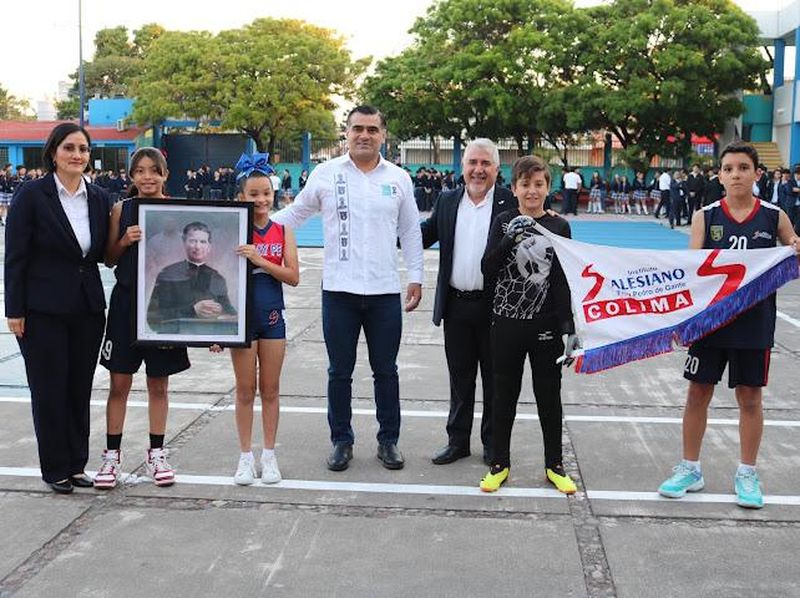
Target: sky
[(42, 49)]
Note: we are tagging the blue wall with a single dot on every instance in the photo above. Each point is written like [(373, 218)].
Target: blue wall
[(105, 112), (758, 115)]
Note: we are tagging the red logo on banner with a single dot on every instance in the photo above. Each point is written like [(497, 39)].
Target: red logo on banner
[(734, 274), (598, 282)]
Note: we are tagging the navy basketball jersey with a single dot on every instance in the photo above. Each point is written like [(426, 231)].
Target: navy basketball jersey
[(754, 328), (126, 265)]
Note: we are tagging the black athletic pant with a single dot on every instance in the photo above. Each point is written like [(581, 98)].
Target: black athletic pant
[(664, 203), (513, 341), (678, 210), (467, 346), (570, 202)]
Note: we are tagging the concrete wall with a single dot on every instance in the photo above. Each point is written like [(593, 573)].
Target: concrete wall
[(774, 24), (782, 135)]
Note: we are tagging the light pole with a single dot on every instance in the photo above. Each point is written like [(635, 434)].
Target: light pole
[(81, 83)]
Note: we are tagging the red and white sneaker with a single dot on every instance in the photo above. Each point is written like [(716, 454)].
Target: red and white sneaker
[(158, 468), (110, 470)]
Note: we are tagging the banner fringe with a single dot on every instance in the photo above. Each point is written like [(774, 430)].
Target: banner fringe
[(714, 317), (724, 311)]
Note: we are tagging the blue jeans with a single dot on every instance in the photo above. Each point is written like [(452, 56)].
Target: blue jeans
[(343, 316)]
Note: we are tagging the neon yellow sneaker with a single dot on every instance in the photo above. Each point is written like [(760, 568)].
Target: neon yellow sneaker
[(559, 478), (492, 481)]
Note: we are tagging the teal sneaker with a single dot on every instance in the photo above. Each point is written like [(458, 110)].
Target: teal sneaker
[(748, 490), (684, 479)]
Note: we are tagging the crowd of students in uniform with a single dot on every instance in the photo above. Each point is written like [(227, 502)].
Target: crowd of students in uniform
[(430, 182), (220, 183), (688, 190), (10, 181), (678, 193)]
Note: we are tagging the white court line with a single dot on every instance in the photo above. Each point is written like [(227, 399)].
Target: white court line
[(788, 318), (442, 490), (695, 497), (623, 419)]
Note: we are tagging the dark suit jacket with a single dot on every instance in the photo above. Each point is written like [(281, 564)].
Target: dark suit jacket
[(714, 191), (441, 227), (45, 270), (763, 183)]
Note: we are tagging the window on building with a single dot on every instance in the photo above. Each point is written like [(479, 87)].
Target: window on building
[(3, 156), (110, 158), (32, 156)]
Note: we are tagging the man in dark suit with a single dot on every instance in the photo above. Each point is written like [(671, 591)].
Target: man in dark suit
[(714, 190), (460, 223), (696, 186), (762, 182)]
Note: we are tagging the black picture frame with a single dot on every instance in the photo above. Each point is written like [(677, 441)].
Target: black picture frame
[(191, 288)]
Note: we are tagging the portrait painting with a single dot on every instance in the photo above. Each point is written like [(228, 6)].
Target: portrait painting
[(191, 287)]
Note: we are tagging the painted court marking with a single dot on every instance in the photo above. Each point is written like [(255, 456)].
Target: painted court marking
[(440, 490), (623, 419), (787, 318)]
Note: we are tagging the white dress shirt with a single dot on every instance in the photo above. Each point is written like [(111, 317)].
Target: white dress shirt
[(472, 232), (276, 182), (572, 180), (76, 206), (664, 181), (363, 214)]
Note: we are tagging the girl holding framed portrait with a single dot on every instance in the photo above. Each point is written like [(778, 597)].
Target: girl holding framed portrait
[(118, 353)]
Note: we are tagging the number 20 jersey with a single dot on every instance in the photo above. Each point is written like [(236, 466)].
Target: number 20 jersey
[(754, 328)]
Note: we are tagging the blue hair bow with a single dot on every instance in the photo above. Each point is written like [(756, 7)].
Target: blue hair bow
[(247, 165)]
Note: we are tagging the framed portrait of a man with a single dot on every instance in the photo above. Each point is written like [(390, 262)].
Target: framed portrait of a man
[(191, 286)]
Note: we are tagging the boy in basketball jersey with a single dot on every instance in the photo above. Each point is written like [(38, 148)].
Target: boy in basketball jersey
[(738, 221)]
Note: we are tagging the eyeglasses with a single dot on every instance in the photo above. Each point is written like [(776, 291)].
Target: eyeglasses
[(71, 147)]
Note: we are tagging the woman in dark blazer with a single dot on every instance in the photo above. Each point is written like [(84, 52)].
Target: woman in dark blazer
[(55, 305)]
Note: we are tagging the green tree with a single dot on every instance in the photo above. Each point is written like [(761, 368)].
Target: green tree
[(266, 79), (476, 69), (144, 37), (112, 41), (414, 104), (117, 62), (14, 108), (68, 109), (656, 70), (176, 80)]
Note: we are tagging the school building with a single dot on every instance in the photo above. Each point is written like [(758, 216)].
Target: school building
[(113, 141), (772, 122)]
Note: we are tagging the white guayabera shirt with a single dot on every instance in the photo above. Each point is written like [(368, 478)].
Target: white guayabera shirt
[(363, 214)]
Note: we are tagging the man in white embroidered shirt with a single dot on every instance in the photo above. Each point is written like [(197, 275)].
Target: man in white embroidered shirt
[(366, 204)]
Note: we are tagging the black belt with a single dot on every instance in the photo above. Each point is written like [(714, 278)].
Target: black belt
[(467, 295)]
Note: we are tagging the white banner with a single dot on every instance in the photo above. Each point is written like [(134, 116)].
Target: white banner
[(630, 304)]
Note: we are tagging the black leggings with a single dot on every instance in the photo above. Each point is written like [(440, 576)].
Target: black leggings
[(512, 341)]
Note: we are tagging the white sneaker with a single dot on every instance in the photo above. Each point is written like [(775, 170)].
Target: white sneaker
[(110, 470), (245, 471), (158, 468), (270, 474)]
